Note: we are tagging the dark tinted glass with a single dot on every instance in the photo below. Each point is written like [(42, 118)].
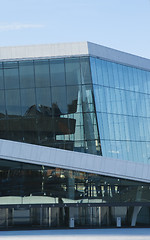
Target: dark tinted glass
[(43, 97), (72, 67), (57, 70), (57, 185), (26, 70), (2, 104), (72, 98), (13, 102), (1, 79), (42, 76), (59, 101), (28, 103), (11, 75), (52, 106)]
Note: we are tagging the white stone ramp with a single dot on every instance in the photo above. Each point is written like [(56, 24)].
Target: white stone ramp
[(80, 234)]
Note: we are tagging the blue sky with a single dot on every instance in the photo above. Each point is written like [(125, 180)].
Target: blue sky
[(120, 24)]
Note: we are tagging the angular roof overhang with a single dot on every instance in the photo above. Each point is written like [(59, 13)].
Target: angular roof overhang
[(70, 50), (34, 154)]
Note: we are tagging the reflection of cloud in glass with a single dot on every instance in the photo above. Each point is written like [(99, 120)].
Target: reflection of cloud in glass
[(18, 26)]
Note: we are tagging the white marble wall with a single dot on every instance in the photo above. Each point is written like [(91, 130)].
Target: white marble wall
[(35, 154)]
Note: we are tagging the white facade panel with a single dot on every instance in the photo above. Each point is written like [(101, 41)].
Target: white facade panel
[(47, 156), (43, 51)]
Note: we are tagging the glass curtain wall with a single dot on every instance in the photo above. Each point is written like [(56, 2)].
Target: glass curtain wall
[(122, 98), (22, 183), (49, 102)]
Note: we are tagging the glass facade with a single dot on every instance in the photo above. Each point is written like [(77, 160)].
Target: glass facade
[(34, 196), (49, 102), (82, 104), (21, 183), (122, 100)]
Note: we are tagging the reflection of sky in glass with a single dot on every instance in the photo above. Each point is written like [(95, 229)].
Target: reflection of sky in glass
[(122, 104)]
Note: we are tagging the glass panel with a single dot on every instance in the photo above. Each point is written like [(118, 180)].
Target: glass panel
[(131, 79), (116, 75), (2, 104), (93, 70), (1, 79), (85, 70), (57, 72), (87, 98), (99, 71), (72, 68), (105, 73), (26, 70), (14, 129), (79, 134), (148, 81), (120, 76), (43, 98), (13, 103), (72, 98), (3, 128), (110, 74), (42, 78), (28, 102), (11, 75), (59, 101)]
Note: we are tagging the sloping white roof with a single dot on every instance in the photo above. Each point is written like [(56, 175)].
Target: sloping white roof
[(34, 154), (72, 49)]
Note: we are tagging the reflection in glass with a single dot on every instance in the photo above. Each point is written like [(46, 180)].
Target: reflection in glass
[(85, 71), (11, 76), (13, 102), (72, 67), (2, 104), (42, 77), (57, 70), (78, 104), (1, 79), (26, 70), (48, 183), (122, 105), (28, 102)]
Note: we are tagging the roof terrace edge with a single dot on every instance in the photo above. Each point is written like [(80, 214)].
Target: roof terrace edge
[(117, 56), (73, 49), (43, 51)]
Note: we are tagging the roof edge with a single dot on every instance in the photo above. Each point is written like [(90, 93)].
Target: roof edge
[(117, 56), (72, 49), (43, 51)]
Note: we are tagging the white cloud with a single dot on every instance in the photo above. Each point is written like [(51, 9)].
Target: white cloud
[(18, 26)]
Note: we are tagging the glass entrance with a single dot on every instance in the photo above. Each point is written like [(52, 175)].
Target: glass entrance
[(82, 216)]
